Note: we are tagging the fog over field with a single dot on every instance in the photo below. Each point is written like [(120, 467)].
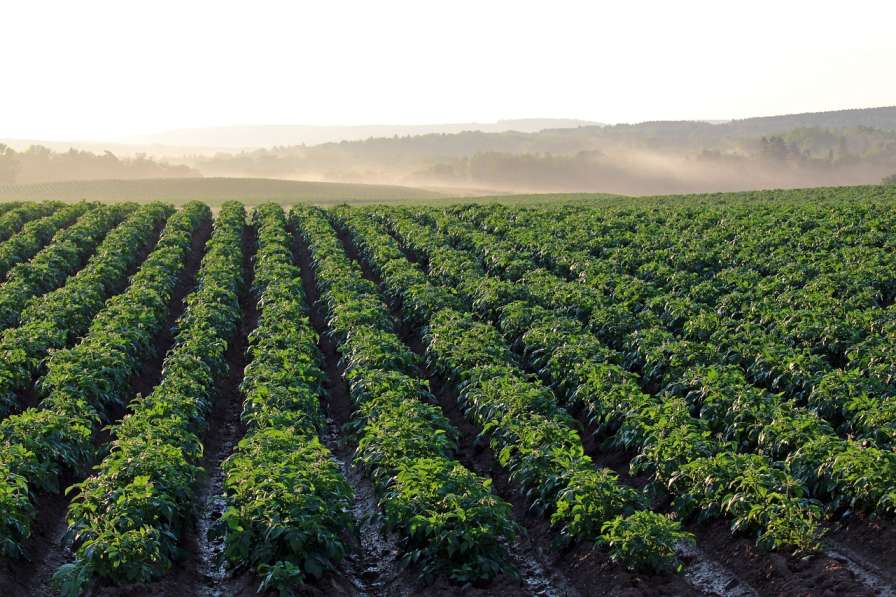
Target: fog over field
[(508, 97)]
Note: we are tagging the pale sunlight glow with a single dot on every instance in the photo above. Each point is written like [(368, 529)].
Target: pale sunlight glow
[(106, 70)]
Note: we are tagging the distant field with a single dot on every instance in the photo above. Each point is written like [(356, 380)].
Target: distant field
[(214, 191), (255, 191)]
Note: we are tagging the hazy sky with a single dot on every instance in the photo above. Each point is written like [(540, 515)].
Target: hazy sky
[(105, 70)]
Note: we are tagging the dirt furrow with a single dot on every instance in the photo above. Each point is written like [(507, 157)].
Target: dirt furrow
[(875, 579), (203, 568), (871, 540), (373, 566), (199, 573)]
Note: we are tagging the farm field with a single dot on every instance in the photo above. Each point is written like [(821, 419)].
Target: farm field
[(214, 191), (571, 396)]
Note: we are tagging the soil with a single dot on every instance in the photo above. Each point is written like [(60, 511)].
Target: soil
[(776, 573), (203, 571), (373, 567), (47, 548)]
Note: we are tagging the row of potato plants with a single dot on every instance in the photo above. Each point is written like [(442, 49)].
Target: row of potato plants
[(7, 206), (855, 414), (13, 220), (56, 319), (447, 517), (35, 234), (782, 343), (68, 250), (841, 270), (704, 474), (533, 437), (707, 275), (126, 519), (832, 275), (288, 512), (82, 382), (843, 472), (847, 474)]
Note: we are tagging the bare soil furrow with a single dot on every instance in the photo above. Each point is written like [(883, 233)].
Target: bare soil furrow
[(204, 568), (871, 540), (373, 567)]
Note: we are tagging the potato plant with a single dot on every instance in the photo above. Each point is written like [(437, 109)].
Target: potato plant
[(661, 429), (35, 234), (734, 351), (127, 517), (531, 434)]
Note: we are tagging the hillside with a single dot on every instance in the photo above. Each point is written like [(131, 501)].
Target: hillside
[(244, 137), (844, 147)]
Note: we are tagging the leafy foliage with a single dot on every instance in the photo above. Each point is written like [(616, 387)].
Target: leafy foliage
[(126, 518), (645, 541), (447, 517), (533, 437), (40, 441), (289, 507)]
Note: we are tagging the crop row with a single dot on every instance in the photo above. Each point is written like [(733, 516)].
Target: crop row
[(13, 220), (82, 382), (830, 259), (8, 205), (447, 516), (789, 323), (668, 440), (35, 234), (127, 517), (843, 472), (53, 320), (49, 269), (288, 505), (532, 435)]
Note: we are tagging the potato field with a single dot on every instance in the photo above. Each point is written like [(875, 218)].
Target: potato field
[(690, 395)]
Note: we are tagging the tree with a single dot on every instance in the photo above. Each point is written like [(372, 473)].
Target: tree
[(9, 164), (889, 180)]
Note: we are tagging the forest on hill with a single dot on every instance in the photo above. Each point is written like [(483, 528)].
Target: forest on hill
[(847, 147), (39, 164), (816, 149)]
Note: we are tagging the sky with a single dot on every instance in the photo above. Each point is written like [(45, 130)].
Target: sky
[(107, 70)]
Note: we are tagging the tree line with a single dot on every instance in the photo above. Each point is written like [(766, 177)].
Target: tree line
[(41, 164)]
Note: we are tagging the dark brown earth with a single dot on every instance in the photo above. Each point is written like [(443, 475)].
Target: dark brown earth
[(373, 567)]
